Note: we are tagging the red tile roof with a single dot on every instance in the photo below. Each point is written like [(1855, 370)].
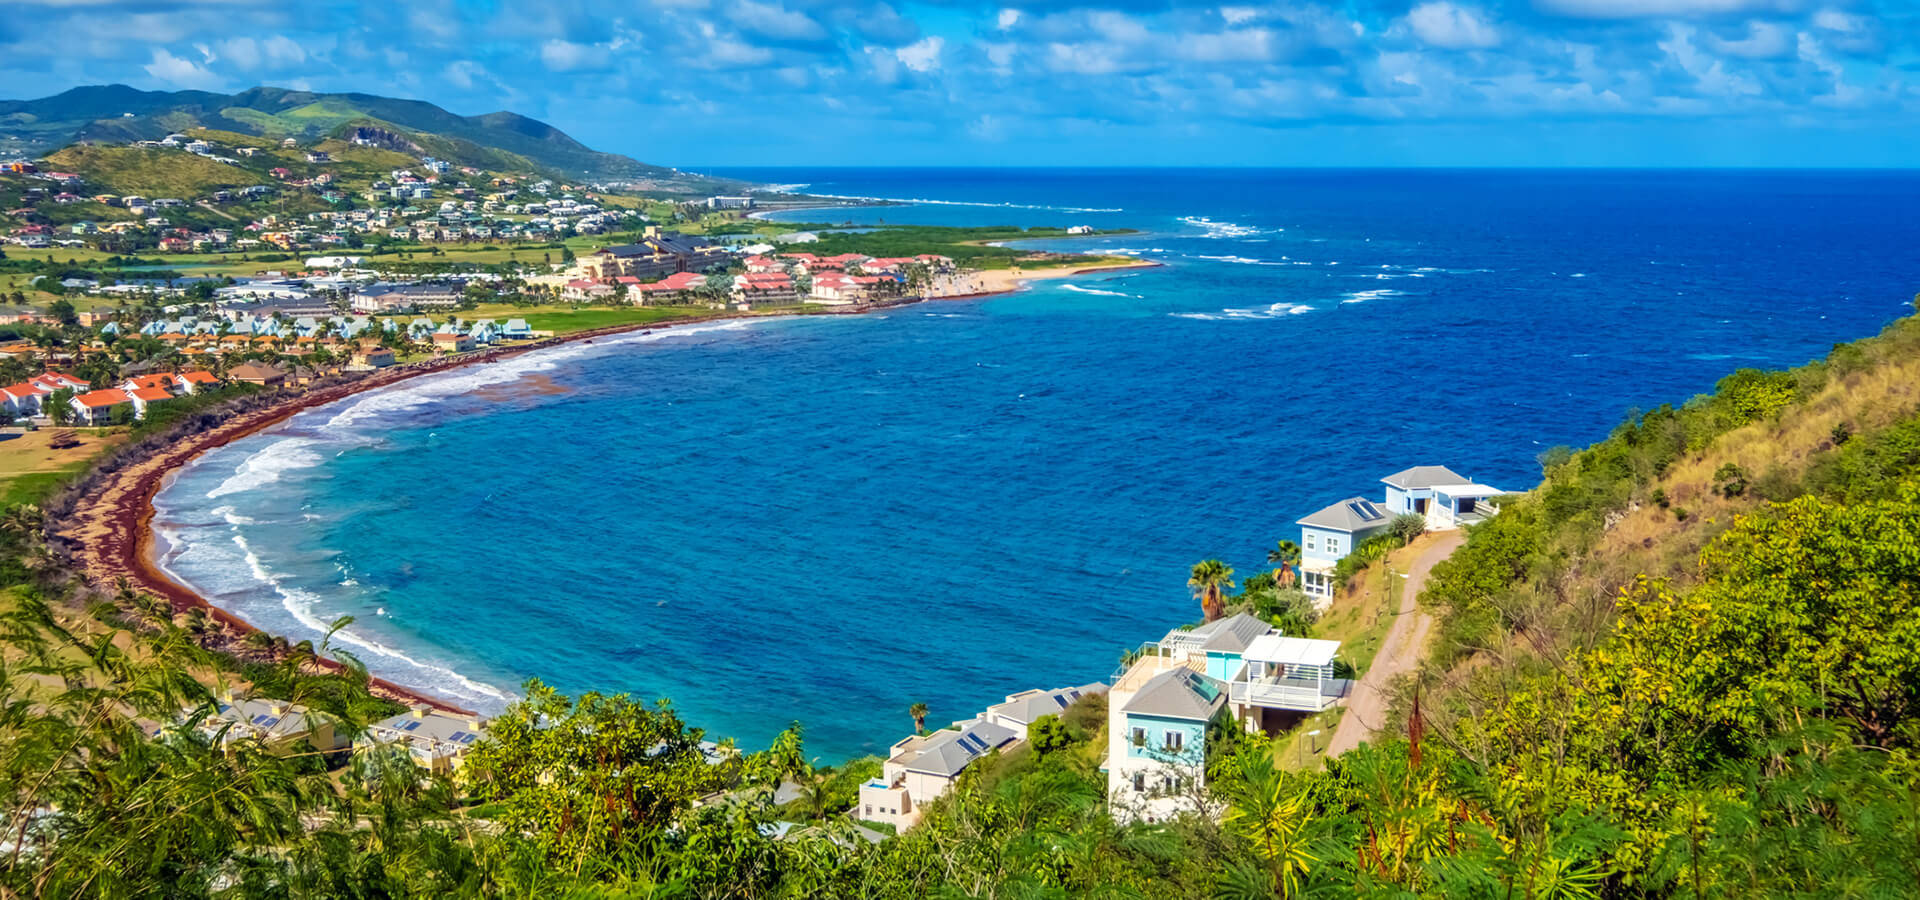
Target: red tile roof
[(150, 394), (100, 399)]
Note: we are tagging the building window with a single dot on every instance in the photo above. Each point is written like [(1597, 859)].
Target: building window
[(1140, 737), (1176, 740), (1333, 545), (1309, 537)]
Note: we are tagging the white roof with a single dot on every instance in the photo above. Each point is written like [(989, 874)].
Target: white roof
[(1291, 651), (1468, 490)]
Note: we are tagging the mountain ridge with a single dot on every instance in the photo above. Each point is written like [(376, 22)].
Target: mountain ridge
[(118, 112)]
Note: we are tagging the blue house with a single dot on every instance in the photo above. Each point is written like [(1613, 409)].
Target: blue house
[(1332, 533), (1447, 498), (1221, 643), (1157, 742), (516, 329)]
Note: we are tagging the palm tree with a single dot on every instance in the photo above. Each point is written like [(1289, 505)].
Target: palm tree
[(1209, 578), (1286, 555), (919, 713)]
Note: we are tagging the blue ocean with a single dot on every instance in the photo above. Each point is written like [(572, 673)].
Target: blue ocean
[(827, 519)]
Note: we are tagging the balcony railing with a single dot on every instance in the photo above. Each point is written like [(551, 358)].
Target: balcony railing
[(1286, 693)]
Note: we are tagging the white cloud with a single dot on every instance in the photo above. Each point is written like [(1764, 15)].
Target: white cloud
[(179, 72), (772, 20), (922, 55), (1008, 18), (1443, 24), (569, 56), (460, 73), (275, 51), (1247, 45), (1659, 9), (1235, 15), (1764, 40)]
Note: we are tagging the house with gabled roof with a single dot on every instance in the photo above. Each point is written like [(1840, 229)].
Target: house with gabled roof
[(435, 739), (1157, 726), (96, 407), (1331, 533), (1019, 711), (276, 726), (922, 767)]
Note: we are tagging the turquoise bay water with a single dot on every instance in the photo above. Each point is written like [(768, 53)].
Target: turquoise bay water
[(827, 519)]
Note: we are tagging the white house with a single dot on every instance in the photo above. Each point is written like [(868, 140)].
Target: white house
[(1019, 710), (923, 767), (1157, 725), (1447, 498), (436, 740)]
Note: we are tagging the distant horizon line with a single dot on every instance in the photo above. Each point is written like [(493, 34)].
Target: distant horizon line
[(1300, 167)]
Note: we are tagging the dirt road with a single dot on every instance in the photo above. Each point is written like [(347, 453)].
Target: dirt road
[(1399, 653)]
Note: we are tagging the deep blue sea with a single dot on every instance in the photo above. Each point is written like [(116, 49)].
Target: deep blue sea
[(828, 519)]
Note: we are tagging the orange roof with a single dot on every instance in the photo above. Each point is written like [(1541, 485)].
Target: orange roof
[(199, 376), (152, 394), (152, 381), (97, 399)]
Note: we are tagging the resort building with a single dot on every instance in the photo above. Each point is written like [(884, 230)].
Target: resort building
[(436, 740), (923, 767), (1332, 533), (1448, 499), (1157, 742), (1164, 699), (276, 726), (1020, 710), (658, 253), (96, 407)]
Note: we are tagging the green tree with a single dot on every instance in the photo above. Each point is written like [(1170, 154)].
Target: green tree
[(919, 713), (1407, 526), (1285, 556), (1209, 578)]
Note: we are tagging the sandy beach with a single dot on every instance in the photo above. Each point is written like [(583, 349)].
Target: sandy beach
[(109, 532)]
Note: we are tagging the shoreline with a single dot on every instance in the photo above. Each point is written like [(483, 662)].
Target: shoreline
[(111, 531)]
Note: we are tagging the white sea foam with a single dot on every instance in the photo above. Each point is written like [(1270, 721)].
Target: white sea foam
[(301, 605), (1276, 311), (1242, 260), (1221, 230), (324, 432), (1364, 296), (266, 467), (1087, 290), (922, 201)]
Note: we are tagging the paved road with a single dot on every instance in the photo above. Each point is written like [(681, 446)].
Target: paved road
[(1406, 642)]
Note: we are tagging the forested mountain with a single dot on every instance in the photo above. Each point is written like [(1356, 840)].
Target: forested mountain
[(495, 141)]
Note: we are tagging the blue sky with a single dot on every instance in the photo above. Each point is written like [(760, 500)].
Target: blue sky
[(1123, 82)]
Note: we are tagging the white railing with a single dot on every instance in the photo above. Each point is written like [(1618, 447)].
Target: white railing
[(1304, 696)]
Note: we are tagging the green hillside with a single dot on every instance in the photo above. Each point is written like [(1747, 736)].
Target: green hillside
[(494, 141)]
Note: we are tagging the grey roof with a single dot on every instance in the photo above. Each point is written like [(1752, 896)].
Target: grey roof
[(427, 727), (1231, 634), (1027, 706), (1178, 693), (1419, 478), (267, 720), (945, 753), (1349, 515)]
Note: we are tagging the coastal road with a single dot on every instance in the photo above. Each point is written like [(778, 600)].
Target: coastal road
[(1406, 642)]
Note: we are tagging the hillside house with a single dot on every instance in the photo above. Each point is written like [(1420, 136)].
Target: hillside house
[(922, 767), (434, 739)]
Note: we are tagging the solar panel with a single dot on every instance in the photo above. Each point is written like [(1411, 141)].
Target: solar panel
[(410, 726), (1060, 700), (456, 736), (266, 721), (1365, 510)]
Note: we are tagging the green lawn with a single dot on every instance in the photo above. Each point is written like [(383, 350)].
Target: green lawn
[(32, 487)]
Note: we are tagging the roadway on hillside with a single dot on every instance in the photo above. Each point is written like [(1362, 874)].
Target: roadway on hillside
[(1399, 654)]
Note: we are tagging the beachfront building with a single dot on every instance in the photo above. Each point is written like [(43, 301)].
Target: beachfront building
[(922, 767), (276, 726), (96, 407), (434, 739), (1157, 726)]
